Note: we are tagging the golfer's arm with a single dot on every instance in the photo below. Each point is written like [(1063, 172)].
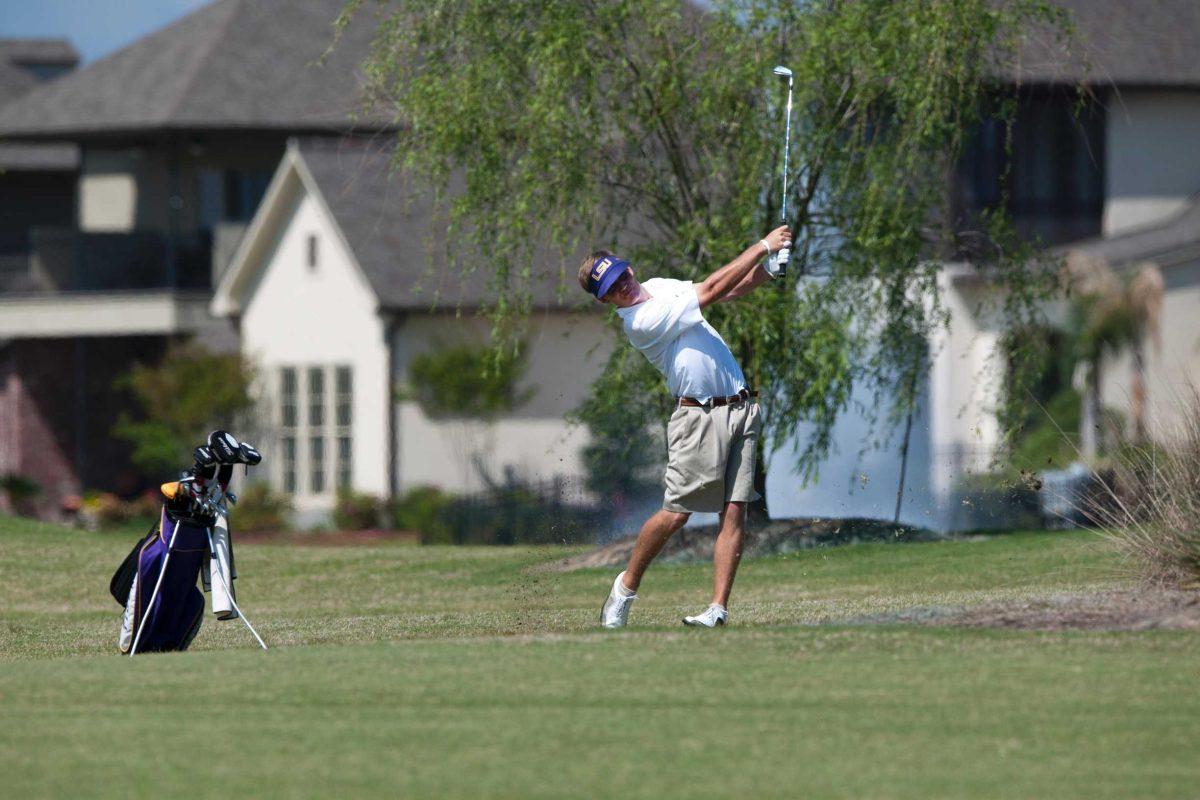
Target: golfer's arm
[(756, 278), (723, 281)]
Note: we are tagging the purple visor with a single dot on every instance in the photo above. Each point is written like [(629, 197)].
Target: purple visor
[(605, 271)]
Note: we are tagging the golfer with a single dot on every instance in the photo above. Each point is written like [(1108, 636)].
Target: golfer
[(713, 432)]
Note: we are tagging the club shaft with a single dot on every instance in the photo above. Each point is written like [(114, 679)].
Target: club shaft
[(154, 595), (787, 147), (229, 590)]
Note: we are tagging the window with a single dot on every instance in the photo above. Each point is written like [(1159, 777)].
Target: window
[(345, 396), (316, 397), (312, 251), (343, 462), (1054, 170), (316, 473), (343, 418), (316, 434), (287, 397), (243, 191), (289, 464), (287, 423)]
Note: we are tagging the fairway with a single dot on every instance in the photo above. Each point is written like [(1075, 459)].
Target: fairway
[(472, 672)]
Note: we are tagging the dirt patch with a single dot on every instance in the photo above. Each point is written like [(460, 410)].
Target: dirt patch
[(1125, 610), (327, 539), (776, 537)]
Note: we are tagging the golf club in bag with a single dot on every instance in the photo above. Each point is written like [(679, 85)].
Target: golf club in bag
[(157, 581), (778, 262)]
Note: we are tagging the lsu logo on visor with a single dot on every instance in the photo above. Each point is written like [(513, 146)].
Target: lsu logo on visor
[(602, 266)]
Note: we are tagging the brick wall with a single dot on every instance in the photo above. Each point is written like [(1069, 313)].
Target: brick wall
[(58, 403)]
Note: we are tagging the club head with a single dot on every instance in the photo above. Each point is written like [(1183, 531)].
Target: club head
[(783, 72), (250, 455), (224, 447), (204, 456)]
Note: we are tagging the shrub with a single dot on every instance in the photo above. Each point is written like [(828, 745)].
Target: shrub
[(260, 508), (423, 510), (465, 381), (355, 511), (1149, 505), (22, 491), (103, 510), (179, 401)]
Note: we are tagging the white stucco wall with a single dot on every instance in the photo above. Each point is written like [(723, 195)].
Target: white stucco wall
[(954, 435), (301, 317), (565, 351), (1151, 163), (1171, 371)]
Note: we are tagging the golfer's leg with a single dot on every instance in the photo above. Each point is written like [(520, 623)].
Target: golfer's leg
[(650, 541), (727, 552)]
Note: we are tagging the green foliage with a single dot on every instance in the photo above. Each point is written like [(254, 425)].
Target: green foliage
[(1051, 440), (571, 123), (260, 508), (355, 511), (620, 456), (422, 509), (465, 381), (19, 488), (189, 393), (506, 514)]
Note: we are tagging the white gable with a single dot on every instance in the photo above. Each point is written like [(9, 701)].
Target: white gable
[(305, 305)]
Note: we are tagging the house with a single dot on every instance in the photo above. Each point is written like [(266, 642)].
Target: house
[(1116, 176), (174, 140), (337, 287)]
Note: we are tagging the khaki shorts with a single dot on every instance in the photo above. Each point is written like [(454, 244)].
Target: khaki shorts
[(710, 457)]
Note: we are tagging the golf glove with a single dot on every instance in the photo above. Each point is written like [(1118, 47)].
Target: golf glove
[(776, 264)]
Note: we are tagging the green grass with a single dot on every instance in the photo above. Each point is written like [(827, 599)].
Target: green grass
[(441, 672)]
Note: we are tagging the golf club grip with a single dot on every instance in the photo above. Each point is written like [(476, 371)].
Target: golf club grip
[(781, 259)]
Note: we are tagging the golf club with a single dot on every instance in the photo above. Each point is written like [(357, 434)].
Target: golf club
[(784, 255), (226, 448)]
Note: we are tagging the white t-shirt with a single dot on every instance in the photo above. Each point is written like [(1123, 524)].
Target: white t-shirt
[(670, 331)]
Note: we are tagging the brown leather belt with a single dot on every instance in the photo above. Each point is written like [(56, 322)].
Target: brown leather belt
[(744, 394)]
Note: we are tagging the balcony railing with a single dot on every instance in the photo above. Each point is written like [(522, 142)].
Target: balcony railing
[(52, 261)]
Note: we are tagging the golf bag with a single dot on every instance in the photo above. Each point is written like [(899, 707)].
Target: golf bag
[(172, 620), (156, 583)]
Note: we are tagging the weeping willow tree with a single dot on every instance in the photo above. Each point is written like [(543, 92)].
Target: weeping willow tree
[(654, 127)]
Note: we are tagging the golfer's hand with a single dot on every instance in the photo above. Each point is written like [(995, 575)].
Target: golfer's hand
[(779, 238)]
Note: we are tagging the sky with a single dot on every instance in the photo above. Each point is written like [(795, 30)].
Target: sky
[(95, 27)]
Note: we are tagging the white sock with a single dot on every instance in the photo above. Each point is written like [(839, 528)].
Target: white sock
[(717, 606), (622, 589)]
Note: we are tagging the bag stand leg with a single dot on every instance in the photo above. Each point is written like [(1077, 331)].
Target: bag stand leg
[(213, 552), (154, 595)]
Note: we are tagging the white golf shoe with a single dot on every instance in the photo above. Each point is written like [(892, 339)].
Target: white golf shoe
[(711, 617), (615, 613)]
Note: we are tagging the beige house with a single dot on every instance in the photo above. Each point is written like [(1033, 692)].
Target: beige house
[(126, 187), (334, 292), (1118, 178)]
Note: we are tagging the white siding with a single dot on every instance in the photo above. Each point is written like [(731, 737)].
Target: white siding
[(565, 352), (1173, 371), (301, 317), (1151, 159)]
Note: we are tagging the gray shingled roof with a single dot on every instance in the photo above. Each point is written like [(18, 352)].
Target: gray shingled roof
[(1175, 241), (16, 81), (234, 64), (388, 221), (1119, 42)]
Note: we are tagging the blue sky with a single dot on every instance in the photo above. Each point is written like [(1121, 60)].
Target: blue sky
[(95, 27)]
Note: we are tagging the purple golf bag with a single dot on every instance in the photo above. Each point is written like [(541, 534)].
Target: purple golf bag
[(178, 609), (157, 581)]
